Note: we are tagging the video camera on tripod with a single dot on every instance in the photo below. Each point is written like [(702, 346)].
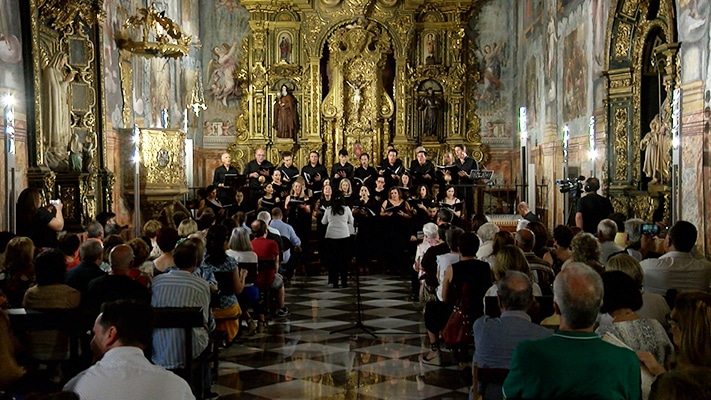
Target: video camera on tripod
[(574, 186)]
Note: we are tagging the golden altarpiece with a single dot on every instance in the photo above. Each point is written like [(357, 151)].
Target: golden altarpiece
[(359, 72), (66, 143), (642, 74)]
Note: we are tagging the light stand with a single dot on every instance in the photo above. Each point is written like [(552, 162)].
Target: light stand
[(9, 113), (566, 200), (136, 139), (523, 131), (676, 156)]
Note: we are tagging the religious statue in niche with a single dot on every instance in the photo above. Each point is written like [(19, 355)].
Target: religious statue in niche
[(223, 86), (286, 121), (431, 105), (430, 48), (656, 146), (56, 112), (285, 48)]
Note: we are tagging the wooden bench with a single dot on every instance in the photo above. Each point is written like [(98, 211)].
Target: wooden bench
[(70, 321)]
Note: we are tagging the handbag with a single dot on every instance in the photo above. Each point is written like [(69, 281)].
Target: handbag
[(458, 330)]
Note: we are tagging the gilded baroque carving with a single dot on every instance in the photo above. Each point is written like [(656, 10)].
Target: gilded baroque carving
[(620, 204), (65, 14), (630, 7), (162, 156), (623, 40), (618, 83), (621, 144), (643, 207)]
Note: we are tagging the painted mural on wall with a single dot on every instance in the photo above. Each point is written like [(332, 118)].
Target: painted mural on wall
[(496, 51), (532, 95), (551, 36), (221, 57), (112, 79), (575, 74), (693, 28), (12, 77)]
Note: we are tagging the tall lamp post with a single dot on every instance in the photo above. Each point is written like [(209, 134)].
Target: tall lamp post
[(676, 156), (523, 137), (593, 150), (8, 102), (136, 139)]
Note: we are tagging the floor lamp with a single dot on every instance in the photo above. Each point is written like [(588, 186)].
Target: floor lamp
[(8, 102)]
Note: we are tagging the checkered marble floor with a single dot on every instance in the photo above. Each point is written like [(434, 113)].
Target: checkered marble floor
[(298, 357)]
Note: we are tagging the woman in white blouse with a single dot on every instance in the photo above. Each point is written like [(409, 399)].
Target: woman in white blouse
[(339, 227)]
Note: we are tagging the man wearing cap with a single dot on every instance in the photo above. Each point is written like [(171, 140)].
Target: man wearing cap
[(421, 168)]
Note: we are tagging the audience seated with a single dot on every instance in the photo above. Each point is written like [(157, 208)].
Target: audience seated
[(606, 232), (486, 233), (691, 328), (511, 258), (654, 306), (95, 231), (469, 273), (622, 297), (541, 271), (430, 239), (17, 273), (267, 249), (496, 338), (574, 363), (187, 227), (678, 268), (69, 245), (560, 253), (122, 332), (117, 285), (429, 261), (585, 249), (91, 254), (5, 238), (150, 230), (287, 232), (110, 242), (541, 237), (166, 238), (445, 260), (50, 293), (178, 287), (11, 370), (142, 270), (501, 239), (230, 279)]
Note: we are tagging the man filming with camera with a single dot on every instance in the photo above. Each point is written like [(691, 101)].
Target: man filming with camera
[(592, 208)]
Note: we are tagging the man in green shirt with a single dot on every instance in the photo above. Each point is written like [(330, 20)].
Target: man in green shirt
[(574, 362)]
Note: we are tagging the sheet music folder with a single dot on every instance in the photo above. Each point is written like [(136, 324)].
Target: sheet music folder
[(235, 180), (484, 174)]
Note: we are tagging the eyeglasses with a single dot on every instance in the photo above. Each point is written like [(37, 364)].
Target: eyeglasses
[(671, 321)]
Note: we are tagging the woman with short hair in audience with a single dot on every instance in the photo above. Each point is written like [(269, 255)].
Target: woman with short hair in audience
[(150, 230), (230, 280), (430, 239), (142, 268), (17, 273), (690, 322), (240, 248), (166, 238), (501, 239), (562, 236), (654, 306), (511, 258), (50, 293), (586, 249), (187, 227), (110, 242), (451, 201), (621, 299)]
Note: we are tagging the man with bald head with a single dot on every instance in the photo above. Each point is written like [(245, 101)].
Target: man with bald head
[(224, 192), (258, 171), (496, 338), (526, 213), (574, 363), (117, 285)]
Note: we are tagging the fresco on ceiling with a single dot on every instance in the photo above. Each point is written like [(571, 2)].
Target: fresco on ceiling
[(575, 74)]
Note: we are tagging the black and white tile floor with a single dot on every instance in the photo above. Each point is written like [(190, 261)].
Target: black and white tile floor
[(297, 357)]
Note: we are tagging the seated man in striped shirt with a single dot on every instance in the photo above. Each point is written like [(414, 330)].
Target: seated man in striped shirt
[(180, 288)]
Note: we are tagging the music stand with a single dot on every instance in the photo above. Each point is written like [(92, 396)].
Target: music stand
[(359, 311), (235, 180), (481, 174)]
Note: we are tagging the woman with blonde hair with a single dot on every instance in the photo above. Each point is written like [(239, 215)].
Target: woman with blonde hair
[(511, 258), (187, 227)]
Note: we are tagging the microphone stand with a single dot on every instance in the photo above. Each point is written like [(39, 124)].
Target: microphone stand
[(359, 311)]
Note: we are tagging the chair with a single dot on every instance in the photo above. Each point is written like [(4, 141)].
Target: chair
[(69, 321), (266, 272), (187, 318), (491, 379)]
